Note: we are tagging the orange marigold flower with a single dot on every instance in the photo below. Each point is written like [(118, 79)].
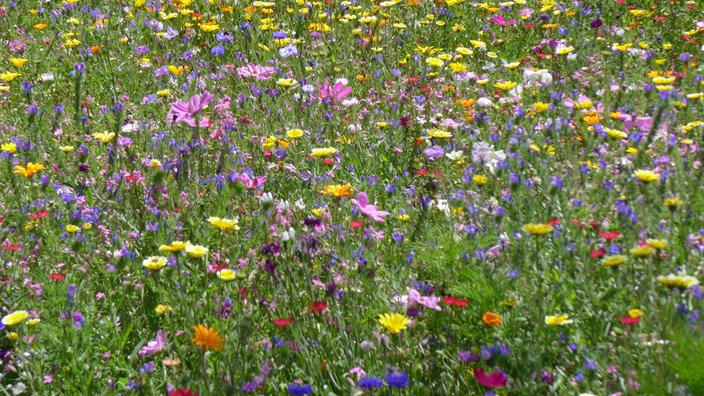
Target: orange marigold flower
[(30, 170), (491, 319), (207, 338), (338, 190)]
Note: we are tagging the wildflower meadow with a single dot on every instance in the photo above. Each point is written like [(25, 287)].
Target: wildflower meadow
[(403, 197)]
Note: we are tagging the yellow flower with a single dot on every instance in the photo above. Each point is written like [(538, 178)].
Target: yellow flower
[(434, 62), (559, 320), (177, 70), (162, 309), (104, 137), (209, 27), (227, 274), (9, 147), (657, 243), (196, 251), (613, 261), (464, 51), (12, 336), (480, 179), (646, 176), (338, 190), (163, 92), (541, 107), (9, 76), (154, 263), (635, 313), (15, 318), (673, 202), (66, 149), (294, 133), (33, 322), (505, 86), (286, 82), (29, 171), (537, 229), (623, 47), (440, 134), (207, 338), (457, 67), (70, 228), (174, 247), (224, 224), (681, 280), (18, 62), (616, 134), (643, 251), (323, 152), (394, 322), (564, 50)]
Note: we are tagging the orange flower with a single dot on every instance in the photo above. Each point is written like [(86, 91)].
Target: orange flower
[(338, 190), (29, 171), (207, 338), (491, 319)]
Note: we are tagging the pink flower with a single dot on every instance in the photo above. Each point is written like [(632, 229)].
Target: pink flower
[(256, 71), (185, 112), (335, 93), (497, 379), (154, 347), (250, 183), (414, 298), (372, 211)]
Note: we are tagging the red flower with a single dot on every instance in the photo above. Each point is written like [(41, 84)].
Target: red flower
[(421, 172), (2, 219), (39, 215), (599, 253), (595, 225), (283, 322), (318, 306), (328, 161), (356, 224), (57, 277), (609, 235), (554, 222), (497, 379), (182, 392), (455, 301), (10, 247), (629, 320)]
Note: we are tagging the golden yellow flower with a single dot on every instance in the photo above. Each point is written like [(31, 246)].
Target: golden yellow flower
[(338, 190), (174, 247), (223, 224), (207, 338), (323, 152), (480, 179), (673, 202), (394, 322), (154, 263), (18, 62), (537, 229), (635, 313), (680, 280), (70, 228), (643, 251), (163, 309), (9, 147), (541, 107), (646, 176), (104, 137), (559, 320), (505, 86), (440, 134), (294, 133), (434, 62), (613, 261), (657, 243), (9, 76), (30, 170), (15, 318), (615, 133)]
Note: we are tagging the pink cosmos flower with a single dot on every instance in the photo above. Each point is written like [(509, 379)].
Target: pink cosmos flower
[(371, 211), (154, 347), (185, 112), (256, 71)]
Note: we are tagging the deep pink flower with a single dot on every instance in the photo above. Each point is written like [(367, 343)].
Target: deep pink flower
[(497, 379), (250, 183), (335, 93), (185, 112), (372, 211)]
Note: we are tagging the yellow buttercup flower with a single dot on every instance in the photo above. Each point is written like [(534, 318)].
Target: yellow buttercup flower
[(223, 224), (9, 147), (18, 62), (15, 318), (104, 137), (559, 320), (643, 251), (613, 261), (227, 275), (71, 229), (163, 309), (505, 86), (9, 76), (480, 179)]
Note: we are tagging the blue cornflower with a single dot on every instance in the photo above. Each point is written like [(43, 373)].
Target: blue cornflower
[(397, 380), (370, 383), (299, 390)]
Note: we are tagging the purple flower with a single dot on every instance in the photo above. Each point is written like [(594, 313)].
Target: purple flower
[(434, 152), (78, 319), (154, 347)]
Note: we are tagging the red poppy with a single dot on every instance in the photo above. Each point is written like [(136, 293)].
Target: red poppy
[(421, 172), (609, 236), (455, 301), (318, 306), (10, 247), (554, 221), (57, 277), (413, 79), (328, 161), (39, 215), (599, 253), (283, 322), (629, 320), (356, 224)]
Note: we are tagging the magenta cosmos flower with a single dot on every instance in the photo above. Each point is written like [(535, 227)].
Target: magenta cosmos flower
[(497, 379)]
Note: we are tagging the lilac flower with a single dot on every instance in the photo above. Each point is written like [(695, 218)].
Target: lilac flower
[(433, 152), (154, 347)]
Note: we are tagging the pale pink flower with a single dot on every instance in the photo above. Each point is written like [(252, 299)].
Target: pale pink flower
[(154, 347)]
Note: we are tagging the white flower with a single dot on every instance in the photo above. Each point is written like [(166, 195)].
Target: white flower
[(484, 102), (454, 155)]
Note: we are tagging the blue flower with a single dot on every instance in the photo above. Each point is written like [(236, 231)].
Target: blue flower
[(370, 383), (397, 380), (299, 390)]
